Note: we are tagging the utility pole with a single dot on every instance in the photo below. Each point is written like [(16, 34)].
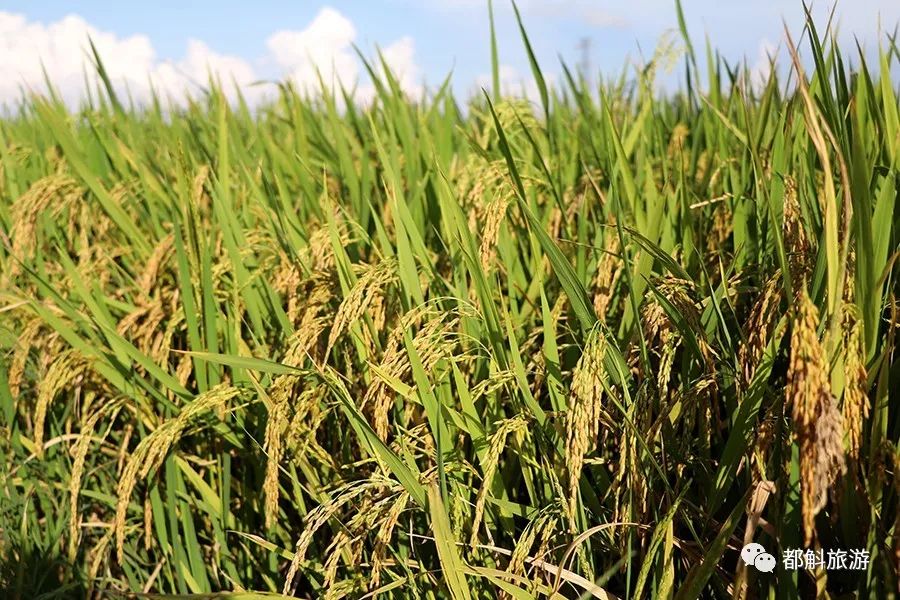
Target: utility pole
[(584, 64)]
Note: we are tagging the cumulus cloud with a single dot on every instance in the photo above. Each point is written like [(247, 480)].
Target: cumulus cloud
[(324, 46), (179, 79), (28, 48), (61, 49), (761, 70), (400, 59)]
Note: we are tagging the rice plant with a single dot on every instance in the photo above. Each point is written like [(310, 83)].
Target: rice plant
[(588, 346)]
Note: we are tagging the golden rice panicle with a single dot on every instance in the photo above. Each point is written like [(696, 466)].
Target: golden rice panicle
[(546, 536), (496, 444), (585, 409), (68, 369), (321, 252), (281, 393), (676, 142), (609, 270), (49, 194), (152, 450), (288, 281), (360, 298), (393, 363), (79, 454), (97, 555), (148, 521), (24, 343), (435, 340), (384, 535), (161, 253), (124, 489), (721, 229), (763, 319), (314, 320), (491, 232), (817, 422), (274, 447), (521, 549), (514, 114), (545, 520), (681, 293), (198, 196), (338, 546), (317, 518), (855, 407), (795, 237), (142, 325), (655, 322), (308, 415)]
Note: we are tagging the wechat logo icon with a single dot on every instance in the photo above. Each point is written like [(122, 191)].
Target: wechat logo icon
[(755, 555)]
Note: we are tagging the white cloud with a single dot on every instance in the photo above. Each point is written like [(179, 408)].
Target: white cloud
[(61, 48), (400, 59), (761, 70), (324, 46), (192, 73)]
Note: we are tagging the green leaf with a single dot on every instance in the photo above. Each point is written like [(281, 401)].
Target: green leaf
[(452, 566)]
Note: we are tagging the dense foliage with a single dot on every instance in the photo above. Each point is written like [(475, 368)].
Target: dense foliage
[(591, 344)]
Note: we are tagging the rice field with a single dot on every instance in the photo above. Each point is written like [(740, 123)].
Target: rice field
[(588, 345)]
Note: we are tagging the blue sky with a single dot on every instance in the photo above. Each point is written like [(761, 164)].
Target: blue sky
[(169, 42)]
